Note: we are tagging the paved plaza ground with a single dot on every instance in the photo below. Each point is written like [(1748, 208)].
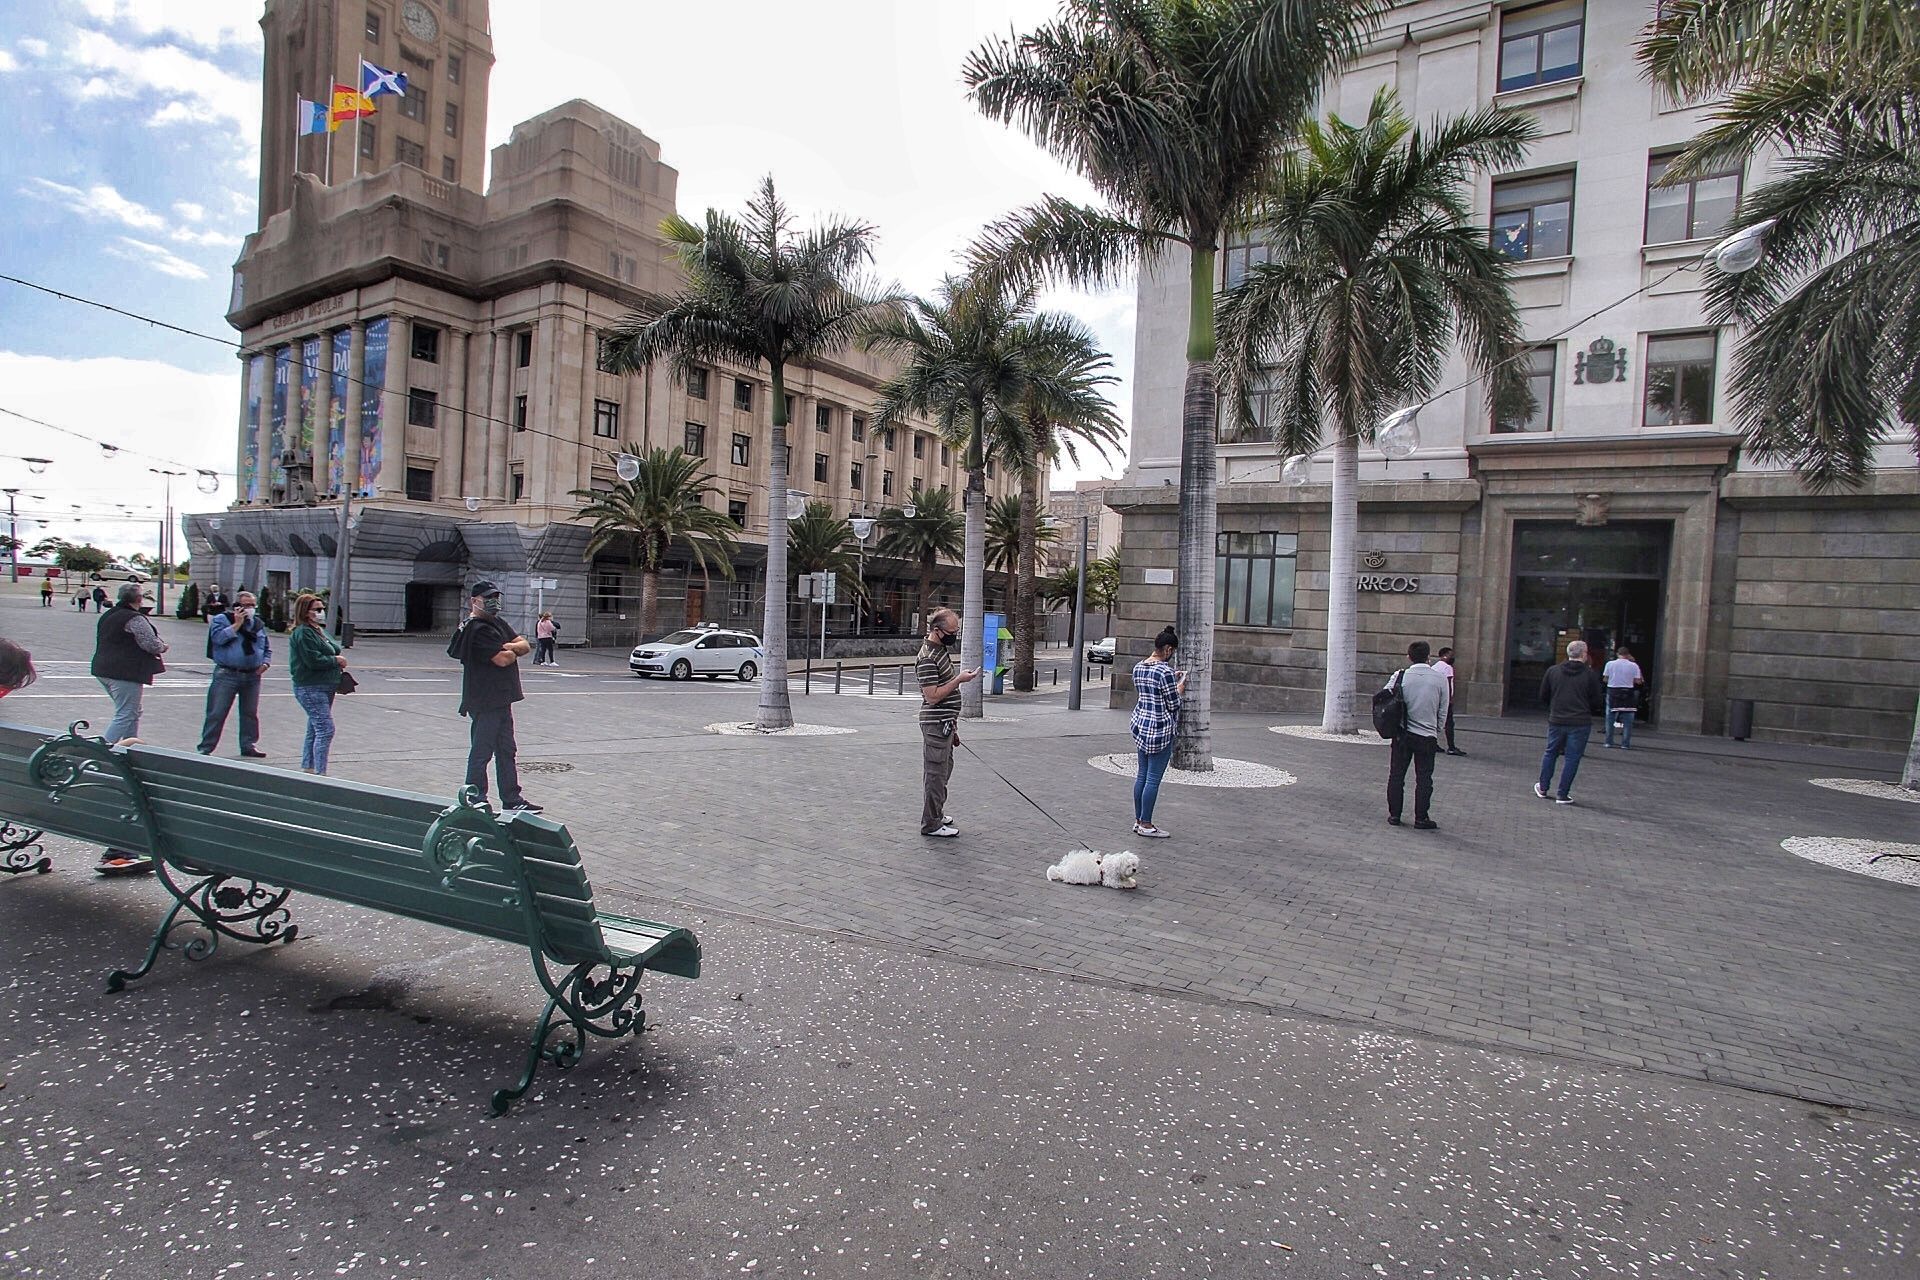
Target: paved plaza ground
[(1634, 1036)]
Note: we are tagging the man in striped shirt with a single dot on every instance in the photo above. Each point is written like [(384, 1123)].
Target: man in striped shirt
[(939, 717)]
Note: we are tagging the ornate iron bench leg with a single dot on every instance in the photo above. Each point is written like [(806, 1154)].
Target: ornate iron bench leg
[(608, 1006), (563, 1055), (244, 910), (119, 978), (20, 850)]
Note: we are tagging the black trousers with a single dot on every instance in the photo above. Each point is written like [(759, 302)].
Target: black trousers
[(1418, 750), (493, 740), (1450, 724)]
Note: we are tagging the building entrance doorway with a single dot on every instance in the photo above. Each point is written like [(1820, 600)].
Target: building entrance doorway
[(421, 598), (1606, 586)]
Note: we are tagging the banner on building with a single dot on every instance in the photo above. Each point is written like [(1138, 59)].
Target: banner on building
[(307, 431), (337, 413), (373, 376), (256, 392), (277, 434)]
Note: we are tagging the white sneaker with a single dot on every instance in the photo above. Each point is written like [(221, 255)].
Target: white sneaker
[(945, 831), (1564, 800), (1151, 832), (1540, 791)]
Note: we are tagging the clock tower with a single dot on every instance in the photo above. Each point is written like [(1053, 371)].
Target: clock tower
[(443, 47)]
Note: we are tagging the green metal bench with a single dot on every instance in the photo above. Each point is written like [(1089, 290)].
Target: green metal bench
[(233, 841)]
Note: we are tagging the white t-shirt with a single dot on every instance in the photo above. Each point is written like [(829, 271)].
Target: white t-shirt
[(1445, 668), (1623, 673)]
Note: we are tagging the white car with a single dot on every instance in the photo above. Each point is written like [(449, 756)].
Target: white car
[(118, 572), (706, 651)]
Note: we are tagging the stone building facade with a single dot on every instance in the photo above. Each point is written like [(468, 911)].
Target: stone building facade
[(434, 351), (1620, 511)]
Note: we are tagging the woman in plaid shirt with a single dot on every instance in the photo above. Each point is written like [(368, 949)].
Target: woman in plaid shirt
[(1155, 712)]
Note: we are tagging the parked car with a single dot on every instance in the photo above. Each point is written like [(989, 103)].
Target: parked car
[(1100, 652), (118, 572), (708, 651)]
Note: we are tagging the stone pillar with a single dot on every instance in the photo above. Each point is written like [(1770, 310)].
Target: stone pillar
[(393, 407), (448, 483), (547, 399), (500, 409), (322, 416), (248, 430), (356, 396)]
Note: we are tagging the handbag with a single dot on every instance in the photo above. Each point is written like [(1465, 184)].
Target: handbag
[(1390, 709), (347, 683)]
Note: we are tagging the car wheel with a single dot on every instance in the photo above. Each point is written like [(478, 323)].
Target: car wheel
[(747, 672), (682, 670)]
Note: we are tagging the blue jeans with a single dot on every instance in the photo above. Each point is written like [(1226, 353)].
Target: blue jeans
[(317, 702), (1149, 768), (227, 685), (1570, 739), (1622, 710), (126, 695), (491, 738)]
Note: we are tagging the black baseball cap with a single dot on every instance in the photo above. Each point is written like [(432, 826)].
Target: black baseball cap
[(483, 588)]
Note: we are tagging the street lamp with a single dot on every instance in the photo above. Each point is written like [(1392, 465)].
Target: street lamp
[(38, 465), (13, 534), (166, 535), (862, 529)]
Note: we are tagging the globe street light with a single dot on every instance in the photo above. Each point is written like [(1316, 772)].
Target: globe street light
[(627, 467), (862, 529)]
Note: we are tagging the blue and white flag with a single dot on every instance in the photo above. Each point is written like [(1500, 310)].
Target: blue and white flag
[(375, 81), (311, 117)]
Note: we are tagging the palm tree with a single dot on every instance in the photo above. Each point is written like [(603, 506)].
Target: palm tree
[(821, 542), (1826, 369), (968, 356), (663, 505), (1377, 266), (1103, 585), (934, 531), (1177, 112), (1006, 532), (756, 294), (1067, 408)]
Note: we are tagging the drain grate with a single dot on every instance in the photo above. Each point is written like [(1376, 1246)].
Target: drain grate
[(545, 766)]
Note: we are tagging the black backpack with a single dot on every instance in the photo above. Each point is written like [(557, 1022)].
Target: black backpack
[(1390, 709)]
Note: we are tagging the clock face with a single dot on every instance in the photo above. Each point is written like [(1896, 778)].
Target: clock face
[(419, 19)]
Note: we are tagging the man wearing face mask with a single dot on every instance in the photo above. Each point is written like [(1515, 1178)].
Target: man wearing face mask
[(237, 642), (939, 717), (489, 651)]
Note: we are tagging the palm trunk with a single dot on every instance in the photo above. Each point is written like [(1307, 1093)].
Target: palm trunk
[(1910, 776), (973, 587), (1342, 589), (1199, 522), (926, 590), (649, 603), (776, 704), (1024, 620)]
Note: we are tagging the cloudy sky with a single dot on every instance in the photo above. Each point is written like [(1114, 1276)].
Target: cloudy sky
[(129, 172)]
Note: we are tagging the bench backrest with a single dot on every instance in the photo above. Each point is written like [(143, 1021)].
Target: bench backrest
[(102, 811)]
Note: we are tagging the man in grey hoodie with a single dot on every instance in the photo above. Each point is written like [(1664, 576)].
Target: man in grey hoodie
[(1427, 698), (1574, 696)]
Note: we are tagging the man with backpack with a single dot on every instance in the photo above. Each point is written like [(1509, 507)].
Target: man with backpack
[(1409, 711)]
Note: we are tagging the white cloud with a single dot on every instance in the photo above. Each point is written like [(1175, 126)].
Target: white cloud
[(99, 201), (35, 48), (160, 259), (8, 62), (190, 211), (198, 89), (211, 24), (206, 239)]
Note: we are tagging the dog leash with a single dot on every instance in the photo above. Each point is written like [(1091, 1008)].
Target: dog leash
[(1023, 795)]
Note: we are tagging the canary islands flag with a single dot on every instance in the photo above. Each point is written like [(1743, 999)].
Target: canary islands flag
[(375, 81), (312, 116), (349, 103)]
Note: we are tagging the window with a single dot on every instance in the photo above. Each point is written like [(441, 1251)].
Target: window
[(823, 417), (696, 440), (520, 413), (606, 419), (916, 484), (406, 151), (1533, 217), (946, 456), (453, 120), (1242, 254), (919, 445), (889, 439), (426, 343), (737, 512), (369, 136), (449, 170), (373, 27), (742, 394), (419, 484), (453, 66), (1680, 380), (413, 103), (420, 407), (697, 384), (787, 403), (517, 485), (1534, 411), (603, 355), (1541, 44), (989, 468), (820, 468), (1692, 210), (1253, 579), (739, 598), (523, 349), (859, 477), (742, 449), (886, 484), (859, 426)]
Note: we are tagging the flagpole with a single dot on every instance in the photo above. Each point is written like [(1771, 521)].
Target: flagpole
[(359, 74), (330, 132)]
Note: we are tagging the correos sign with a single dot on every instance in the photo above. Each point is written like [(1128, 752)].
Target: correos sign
[(1388, 582)]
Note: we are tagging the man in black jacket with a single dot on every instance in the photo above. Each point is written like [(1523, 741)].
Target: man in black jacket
[(1574, 696), (489, 651), (126, 658)]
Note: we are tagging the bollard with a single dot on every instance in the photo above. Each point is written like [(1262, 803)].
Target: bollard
[(809, 685), (1056, 674), (903, 680), (869, 679), (836, 677)]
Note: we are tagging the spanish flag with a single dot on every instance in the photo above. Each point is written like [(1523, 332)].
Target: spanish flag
[(349, 103)]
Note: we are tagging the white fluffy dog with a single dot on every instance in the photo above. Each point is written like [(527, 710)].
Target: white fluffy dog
[(1084, 866)]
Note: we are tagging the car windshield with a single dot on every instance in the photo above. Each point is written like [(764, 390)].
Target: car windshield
[(679, 637)]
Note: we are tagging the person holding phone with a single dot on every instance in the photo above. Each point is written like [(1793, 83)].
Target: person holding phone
[(1158, 690), (939, 718), (237, 643)]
